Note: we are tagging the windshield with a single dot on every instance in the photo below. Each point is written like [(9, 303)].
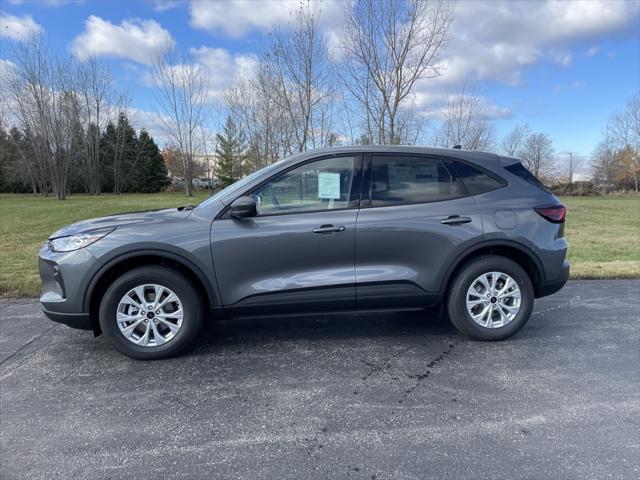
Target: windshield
[(238, 185)]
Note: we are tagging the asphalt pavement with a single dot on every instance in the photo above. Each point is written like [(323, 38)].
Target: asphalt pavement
[(375, 396)]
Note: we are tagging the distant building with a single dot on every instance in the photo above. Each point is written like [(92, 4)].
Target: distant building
[(582, 177), (204, 165)]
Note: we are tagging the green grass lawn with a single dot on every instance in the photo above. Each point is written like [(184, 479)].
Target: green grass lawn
[(604, 233), (604, 236)]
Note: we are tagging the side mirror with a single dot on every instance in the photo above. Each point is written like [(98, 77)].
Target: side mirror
[(243, 207)]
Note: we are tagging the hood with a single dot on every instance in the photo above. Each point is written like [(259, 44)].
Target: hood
[(121, 219)]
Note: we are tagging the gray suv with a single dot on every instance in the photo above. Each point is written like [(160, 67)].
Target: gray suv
[(341, 229)]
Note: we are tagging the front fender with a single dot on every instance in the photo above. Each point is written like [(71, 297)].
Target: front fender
[(197, 262)]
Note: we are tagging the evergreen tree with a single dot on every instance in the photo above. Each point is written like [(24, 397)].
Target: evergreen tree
[(128, 157), (150, 172), (119, 155), (230, 153), (108, 141), (77, 182)]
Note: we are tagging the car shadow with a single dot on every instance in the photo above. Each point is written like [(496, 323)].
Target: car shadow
[(225, 333)]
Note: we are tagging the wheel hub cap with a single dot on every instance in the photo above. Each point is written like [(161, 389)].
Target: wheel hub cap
[(149, 315), (493, 300)]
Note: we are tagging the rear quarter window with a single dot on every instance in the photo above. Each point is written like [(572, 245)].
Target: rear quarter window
[(519, 170), (475, 180)]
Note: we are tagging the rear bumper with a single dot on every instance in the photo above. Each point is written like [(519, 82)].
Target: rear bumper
[(80, 321), (550, 287)]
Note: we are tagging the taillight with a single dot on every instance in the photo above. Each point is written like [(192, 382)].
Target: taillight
[(553, 213)]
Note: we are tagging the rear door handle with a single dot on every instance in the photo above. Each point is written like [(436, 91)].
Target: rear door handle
[(328, 229), (455, 220)]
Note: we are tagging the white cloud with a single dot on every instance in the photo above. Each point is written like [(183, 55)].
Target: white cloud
[(150, 121), (133, 39), (592, 51), (433, 105), (497, 40), (219, 67), (222, 68), (579, 84), (164, 5), (17, 28), (237, 17), (7, 71)]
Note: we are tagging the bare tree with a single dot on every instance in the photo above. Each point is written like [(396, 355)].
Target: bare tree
[(101, 103), (604, 163), (513, 142), (623, 130), (304, 90), (537, 154), (252, 106), (181, 96), (387, 47), (45, 106), (464, 124)]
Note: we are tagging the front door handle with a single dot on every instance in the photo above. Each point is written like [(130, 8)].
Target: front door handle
[(455, 220), (328, 229)]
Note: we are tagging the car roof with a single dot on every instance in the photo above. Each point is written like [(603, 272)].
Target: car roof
[(474, 156)]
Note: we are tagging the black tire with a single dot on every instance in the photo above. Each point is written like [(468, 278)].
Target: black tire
[(457, 297), (167, 277)]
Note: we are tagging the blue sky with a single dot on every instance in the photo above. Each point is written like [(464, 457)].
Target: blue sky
[(561, 66)]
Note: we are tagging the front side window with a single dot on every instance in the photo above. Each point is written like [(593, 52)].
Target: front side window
[(398, 180), (320, 185)]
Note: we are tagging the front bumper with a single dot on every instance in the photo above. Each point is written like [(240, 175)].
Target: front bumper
[(63, 278), (80, 321)]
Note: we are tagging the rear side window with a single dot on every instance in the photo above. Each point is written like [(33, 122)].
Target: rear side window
[(520, 171), (400, 180), (476, 180)]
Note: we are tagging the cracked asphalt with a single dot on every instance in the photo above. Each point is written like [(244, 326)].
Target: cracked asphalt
[(375, 396)]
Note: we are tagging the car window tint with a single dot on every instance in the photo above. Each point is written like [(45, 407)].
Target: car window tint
[(521, 171), (320, 185), (398, 180), (475, 180)]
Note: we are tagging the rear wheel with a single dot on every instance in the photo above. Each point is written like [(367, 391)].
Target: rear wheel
[(151, 312), (491, 298)]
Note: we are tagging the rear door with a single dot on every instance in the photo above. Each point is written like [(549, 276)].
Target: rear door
[(415, 217), (298, 253)]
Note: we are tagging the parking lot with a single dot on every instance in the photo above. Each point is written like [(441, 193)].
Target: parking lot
[(375, 396)]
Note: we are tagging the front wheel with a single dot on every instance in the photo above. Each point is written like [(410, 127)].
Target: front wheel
[(491, 298), (151, 312)]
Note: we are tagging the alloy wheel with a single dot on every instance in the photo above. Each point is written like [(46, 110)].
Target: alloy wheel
[(493, 299), (150, 315)]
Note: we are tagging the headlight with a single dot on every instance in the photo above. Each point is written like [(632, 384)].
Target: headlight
[(78, 241)]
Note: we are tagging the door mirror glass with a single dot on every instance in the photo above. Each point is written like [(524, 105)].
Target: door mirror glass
[(243, 207)]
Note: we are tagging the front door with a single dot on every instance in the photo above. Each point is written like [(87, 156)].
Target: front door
[(298, 253)]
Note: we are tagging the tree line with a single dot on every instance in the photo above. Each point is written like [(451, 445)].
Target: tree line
[(64, 129), (304, 91), (127, 161)]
